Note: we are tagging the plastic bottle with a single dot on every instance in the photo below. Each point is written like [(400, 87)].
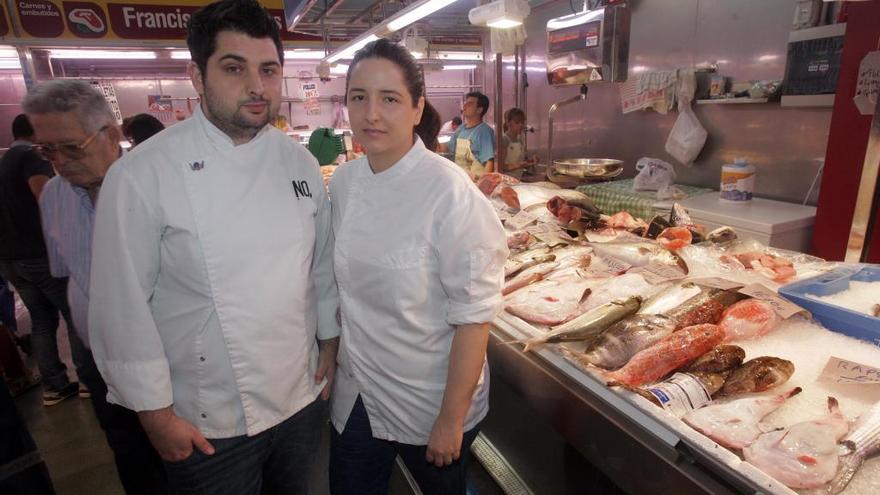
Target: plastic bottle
[(737, 181)]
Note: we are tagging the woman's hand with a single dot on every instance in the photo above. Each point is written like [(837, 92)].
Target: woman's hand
[(444, 444)]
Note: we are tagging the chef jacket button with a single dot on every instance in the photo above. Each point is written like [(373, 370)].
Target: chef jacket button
[(202, 358), (204, 415)]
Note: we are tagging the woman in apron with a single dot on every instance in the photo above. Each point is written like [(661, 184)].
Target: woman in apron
[(419, 262)]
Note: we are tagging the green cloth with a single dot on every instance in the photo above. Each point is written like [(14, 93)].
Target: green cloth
[(612, 197)]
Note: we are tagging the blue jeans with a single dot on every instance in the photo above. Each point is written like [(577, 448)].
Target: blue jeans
[(23, 470), (361, 464), (45, 297), (276, 461)]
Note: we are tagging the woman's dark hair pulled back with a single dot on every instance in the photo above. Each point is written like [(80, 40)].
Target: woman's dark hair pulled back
[(413, 76)]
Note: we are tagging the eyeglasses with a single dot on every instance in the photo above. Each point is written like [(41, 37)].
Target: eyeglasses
[(74, 151)]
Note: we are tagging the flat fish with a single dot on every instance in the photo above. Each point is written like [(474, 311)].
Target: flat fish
[(528, 276), (803, 455), (667, 355), (719, 359), (587, 325), (736, 423), (639, 253), (615, 346), (549, 302), (620, 288), (863, 442), (757, 375), (749, 319)]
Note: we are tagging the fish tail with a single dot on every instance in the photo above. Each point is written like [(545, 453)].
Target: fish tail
[(849, 464), (528, 344)]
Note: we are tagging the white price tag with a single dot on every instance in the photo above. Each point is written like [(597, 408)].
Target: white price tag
[(657, 274), (783, 307), (846, 372), (717, 283), (521, 220)]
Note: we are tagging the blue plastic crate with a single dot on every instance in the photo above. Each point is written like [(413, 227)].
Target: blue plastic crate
[(841, 320)]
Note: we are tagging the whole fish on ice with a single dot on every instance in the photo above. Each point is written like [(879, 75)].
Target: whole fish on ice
[(639, 253), (528, 276), (587, 325), (757, 375), (863, 442), (705, 307), (550, 302), (803, 455), (721, 358), (669, 298), (667, 355), (615, 346), (736, 423)]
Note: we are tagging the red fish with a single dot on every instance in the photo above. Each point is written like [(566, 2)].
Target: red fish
[(749, 319), (669, 354)]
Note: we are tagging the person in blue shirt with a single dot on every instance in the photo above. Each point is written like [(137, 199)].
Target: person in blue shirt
[(473, 143)]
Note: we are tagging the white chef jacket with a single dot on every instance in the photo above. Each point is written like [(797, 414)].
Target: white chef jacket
[(418, 251), (212, 273)]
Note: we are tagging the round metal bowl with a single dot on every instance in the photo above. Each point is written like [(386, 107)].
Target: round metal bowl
[(583, 170)]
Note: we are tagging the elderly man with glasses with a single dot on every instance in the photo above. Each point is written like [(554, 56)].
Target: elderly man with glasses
[(78, 133)]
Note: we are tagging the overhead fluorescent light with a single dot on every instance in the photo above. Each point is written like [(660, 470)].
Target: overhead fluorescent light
[(9, 63), (504, 23), (459, 55), (460, 67), (180, 55), (574, 19), (347, 52), (303, 54), (102, 54), (8, 52), (415, 12)]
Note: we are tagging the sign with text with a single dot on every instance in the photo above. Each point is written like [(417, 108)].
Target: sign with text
[(113, 20), (847, 372), (783, 307)]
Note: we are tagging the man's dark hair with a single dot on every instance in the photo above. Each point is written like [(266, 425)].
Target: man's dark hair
[(482, 101), (242, 16), (456, 120), (21, 127), (142, 127)]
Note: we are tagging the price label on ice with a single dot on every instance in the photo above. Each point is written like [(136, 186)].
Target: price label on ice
[(521, 219), (657, 274), (550, 234), (680, 394), (783, 307), (717, 283), (847, 372)]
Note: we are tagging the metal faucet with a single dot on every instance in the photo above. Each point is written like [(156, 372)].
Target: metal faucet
[(579, 97)]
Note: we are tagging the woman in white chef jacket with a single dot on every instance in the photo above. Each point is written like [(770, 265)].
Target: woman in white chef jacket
[(419, 262)]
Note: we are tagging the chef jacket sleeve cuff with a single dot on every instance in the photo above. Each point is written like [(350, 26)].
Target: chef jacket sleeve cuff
[(139, 386), (328, 325), (474, 313)]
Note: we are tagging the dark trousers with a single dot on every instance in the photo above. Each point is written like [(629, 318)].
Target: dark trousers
[(7, 306), (45, 297), (138, 464), (276, 461), (22, 470), (362, 465)]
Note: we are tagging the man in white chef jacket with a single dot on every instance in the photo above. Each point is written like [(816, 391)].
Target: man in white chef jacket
[(213, 305)]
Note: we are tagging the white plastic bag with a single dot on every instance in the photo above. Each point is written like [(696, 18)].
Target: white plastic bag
[(654, 174), (688, 136)]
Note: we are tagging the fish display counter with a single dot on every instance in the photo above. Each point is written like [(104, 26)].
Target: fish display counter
[(654, 347)]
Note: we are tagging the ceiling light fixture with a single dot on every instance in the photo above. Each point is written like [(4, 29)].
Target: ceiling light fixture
[(475, 56), (180, 55), (102, 54), (303, 54), (500, 14), (460, 67), (412, 13)]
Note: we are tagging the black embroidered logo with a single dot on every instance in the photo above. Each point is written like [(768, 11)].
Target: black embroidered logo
[(196, 166), (301, 189)]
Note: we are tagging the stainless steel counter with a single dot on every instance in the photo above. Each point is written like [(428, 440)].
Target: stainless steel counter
[(636, 451)]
